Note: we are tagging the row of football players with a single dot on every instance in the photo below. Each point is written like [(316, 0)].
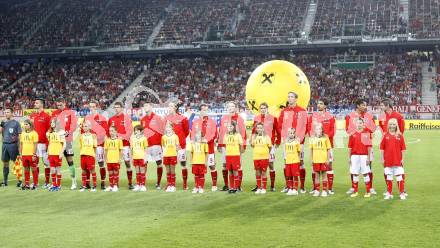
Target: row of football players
[(291, 117)]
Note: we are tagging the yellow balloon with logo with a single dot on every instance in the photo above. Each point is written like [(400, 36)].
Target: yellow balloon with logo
[(272, 81)]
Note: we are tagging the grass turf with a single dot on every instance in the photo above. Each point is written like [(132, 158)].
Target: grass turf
[(216, 219)]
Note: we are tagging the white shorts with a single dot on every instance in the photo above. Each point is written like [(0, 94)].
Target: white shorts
[(41, 150), (126, 153), (394, 171), (211, 159), (181, 155), (154, 153), (272, 154), (359, 164), (100, 154)]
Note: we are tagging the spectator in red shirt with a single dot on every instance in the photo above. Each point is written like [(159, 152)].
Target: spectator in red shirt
[(41, 122), (294, 116), (153, 129), (122, 124)]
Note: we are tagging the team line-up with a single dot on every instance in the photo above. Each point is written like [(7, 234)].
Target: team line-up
[(166, 141)]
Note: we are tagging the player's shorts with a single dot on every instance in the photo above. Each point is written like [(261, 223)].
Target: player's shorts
[(170, 161), (181, 155), (261, 164), (138, 162), (154, 153), (9, 152), (320, 167), (198, 169), (292, 170), (394, 171), (54, 161), (233, 162), (126, 153), (28, 161), (272, 154), (69, 149), (87, 162), (41, 150), (113, 166), (359, 164), (100, 154)]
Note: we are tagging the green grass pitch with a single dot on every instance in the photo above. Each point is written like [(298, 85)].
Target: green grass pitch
[(216, 219)]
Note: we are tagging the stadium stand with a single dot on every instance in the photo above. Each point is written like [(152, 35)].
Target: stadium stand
[(425, 18), (379, 18)]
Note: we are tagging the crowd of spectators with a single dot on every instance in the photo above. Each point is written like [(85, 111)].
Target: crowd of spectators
[(77, 82)]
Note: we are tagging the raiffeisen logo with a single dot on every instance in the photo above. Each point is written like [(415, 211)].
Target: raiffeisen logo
[(425, 126)]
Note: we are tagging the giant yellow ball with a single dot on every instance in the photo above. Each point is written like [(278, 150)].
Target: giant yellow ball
[(272, 81)]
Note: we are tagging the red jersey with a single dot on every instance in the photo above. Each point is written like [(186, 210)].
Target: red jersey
[(392, 147), (270, 127), (350, 122), (122, 123), (293, 117), (208, 127), (66, 117), (41, 122), (328, 124), (180, 127), (359, 142), (99, 127), (153, 129), (224, 122), (383, 121)]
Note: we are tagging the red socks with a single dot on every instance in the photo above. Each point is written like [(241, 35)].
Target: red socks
[(295, 183), (159, 171), (185, 178), (130, 177), (84, 178), (225, 177), (231, 181), (272, 178), (102, 173), (54, 179), (240, 177), (401, 185), (94, 179), (214, 177), (264, 180), (371, 179), (35, 176), (290, 182), (330, 178), (27, 177), (302, 177), (390, 186), (313, 181), (258, 181), (59, 180), (47, 174)]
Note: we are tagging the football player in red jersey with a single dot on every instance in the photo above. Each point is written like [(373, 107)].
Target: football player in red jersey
[(208, 128), (100, 128), (294, 116), (154, 127), (67, 119), (123, 126), (270, 124), (41, 121), (370, 126), (181, 129), (226, 120), (328, 123)]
